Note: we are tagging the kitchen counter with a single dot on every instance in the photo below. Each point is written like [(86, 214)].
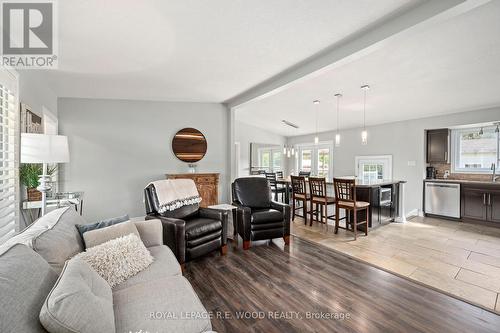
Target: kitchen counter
[(377, 183), (463, 181)]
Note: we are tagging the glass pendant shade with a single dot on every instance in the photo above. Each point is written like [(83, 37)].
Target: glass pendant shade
[(284, 150), (316, 140), (288, 154), (364, 137), (337, 140), (293, 151)]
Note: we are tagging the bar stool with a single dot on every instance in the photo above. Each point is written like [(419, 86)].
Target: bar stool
[(345, 194), (279, 174), (304, 173), (271, 177), (317, 190), (299, 193)]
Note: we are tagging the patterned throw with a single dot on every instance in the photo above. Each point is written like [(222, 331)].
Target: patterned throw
[(175, 193)]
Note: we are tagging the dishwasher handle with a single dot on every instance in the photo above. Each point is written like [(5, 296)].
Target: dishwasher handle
[(443, 185)]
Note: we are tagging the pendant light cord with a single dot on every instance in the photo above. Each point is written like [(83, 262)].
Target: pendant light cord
[(364, 110), (338, 123)]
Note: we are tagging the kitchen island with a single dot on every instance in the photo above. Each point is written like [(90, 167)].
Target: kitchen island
[(384, 196)]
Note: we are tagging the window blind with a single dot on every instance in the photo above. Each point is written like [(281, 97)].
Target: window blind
[(9, 156)]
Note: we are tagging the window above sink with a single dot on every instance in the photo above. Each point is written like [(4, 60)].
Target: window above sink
[(475, 149)]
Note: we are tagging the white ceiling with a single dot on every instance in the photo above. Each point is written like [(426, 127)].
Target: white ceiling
[(195, 50), (449, 67)]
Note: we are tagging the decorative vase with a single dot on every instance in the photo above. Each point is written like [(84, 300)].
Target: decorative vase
[(34, 195), (192, 168)]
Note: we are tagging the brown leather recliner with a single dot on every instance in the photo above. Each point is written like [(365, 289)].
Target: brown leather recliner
[(259, 217), (189, 231)]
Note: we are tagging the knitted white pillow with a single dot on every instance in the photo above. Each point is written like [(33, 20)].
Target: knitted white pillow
[(118, 259)]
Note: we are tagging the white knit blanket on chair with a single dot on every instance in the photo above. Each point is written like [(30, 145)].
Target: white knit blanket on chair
[(175, 193)]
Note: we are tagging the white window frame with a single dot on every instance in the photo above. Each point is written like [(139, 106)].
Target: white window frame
[(375, 159), (271, 151), (314, 157), (455, 148)]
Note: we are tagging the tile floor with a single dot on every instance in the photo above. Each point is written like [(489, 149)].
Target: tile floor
[(460, 259)]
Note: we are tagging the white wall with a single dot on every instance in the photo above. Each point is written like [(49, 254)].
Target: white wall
[(246, 134), (117, 147), (34, 91), (403, 140)]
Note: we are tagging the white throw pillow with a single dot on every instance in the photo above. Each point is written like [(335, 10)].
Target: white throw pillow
[(118, 259)]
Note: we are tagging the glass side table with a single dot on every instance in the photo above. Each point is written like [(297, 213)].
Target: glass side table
[(232, 234), (31, 209)]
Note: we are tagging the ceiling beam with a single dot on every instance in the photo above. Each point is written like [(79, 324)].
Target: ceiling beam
[(365, 41)]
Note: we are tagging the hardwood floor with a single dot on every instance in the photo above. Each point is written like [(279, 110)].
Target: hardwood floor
[(460, 259), (304, 278)]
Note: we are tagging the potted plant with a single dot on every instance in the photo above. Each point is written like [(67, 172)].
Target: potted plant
[(29, 174)]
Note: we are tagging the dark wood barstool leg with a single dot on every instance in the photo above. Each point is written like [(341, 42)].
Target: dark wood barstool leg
[(246, 245), (355, 223), (311, 214), (304, 211), (293, 209), (286, 238), (366, 230), (223, 250), (337, 210)]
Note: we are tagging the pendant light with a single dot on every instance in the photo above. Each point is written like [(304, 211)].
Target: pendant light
[(496, 129), (364, 132), (337, 135), (481, 132), (316, 138)]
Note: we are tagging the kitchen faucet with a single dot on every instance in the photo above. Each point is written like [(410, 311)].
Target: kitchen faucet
[(493, 176)]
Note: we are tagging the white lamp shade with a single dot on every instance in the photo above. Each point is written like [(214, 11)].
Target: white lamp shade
[(43, 148)]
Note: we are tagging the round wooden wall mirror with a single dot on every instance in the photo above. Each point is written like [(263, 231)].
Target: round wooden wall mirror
[(189, 145)]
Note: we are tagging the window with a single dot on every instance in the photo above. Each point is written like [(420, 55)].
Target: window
[(316, 159), (270, 159), (474, 152), (9, 162), (306, 160), (323, 162), (373, 168)]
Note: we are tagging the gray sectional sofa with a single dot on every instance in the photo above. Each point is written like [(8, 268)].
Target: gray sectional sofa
[(158, 299)]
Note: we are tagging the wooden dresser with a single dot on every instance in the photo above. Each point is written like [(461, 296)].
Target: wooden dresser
[(206, 183)]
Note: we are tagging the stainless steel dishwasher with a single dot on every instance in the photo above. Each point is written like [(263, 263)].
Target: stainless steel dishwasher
[(442, 199)]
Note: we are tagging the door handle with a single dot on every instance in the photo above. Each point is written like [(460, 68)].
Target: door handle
[(446, 156), (489, 199)]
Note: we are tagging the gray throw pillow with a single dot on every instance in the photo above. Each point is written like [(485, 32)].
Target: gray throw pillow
[(25, 281), (82, 228), (81, 301), (118, 259)]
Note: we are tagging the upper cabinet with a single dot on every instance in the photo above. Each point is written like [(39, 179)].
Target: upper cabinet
[(438, 146)]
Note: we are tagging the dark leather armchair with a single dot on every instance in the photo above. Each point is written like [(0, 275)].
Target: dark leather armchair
[(258, 216), (189, 231)]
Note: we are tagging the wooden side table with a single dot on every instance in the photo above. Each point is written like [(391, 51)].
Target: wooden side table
[(233, 234)]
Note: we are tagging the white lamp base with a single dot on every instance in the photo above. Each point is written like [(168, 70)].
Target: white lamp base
[(44, 187)]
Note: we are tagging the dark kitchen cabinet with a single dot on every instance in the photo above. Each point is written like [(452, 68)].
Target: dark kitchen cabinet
[(438, 146), (480, 203), (473, 203), (494, 206)]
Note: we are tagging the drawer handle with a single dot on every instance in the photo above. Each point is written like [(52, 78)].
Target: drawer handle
[(484, 198)]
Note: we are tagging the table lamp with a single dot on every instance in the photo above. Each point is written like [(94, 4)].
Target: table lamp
[(44, 149)]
